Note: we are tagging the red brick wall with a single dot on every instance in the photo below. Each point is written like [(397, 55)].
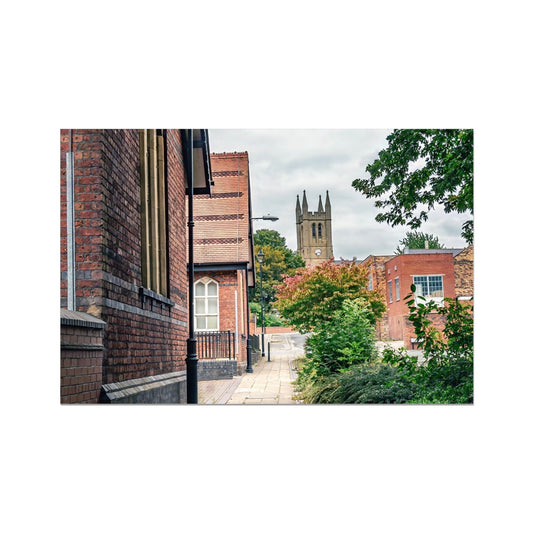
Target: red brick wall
[(408, 266), (229, 282), (404, 267), (376, 269), (143, 337)]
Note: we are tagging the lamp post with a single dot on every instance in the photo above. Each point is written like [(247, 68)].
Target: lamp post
[(249, 368), (266, 217), (260, 258), (198, 182)]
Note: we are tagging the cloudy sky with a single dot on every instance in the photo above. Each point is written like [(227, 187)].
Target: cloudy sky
[(284, 162)]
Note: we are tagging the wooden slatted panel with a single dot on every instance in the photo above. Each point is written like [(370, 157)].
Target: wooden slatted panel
[(162, 220), (145, 210)]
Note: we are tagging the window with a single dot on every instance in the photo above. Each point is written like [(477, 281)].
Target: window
[(430, 287), (397, 287), (389, 283), (319, 231), (313, 229), (153, 211), (370, 285), (206, 305)]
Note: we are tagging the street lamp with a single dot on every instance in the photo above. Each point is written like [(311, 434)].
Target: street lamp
[(260, 259), (266, 217), (248, 341)]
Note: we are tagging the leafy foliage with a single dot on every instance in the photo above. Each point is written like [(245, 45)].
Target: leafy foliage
[(418, 170), (443, 376), (313, 295), (368, 383), (339, 344), (417, 239), (279, 261), (271, 319), (447, 373)]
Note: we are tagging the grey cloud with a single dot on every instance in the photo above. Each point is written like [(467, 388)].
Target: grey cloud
[(285, 162)]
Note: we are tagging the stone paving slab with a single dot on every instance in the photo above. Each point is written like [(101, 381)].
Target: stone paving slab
[(269, 384)]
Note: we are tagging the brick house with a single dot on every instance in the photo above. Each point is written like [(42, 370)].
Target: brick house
[(124, 265), (224, 267), (437, 273)]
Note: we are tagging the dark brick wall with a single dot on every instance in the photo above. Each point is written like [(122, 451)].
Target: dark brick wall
[(144, 336), (216, 369), (164, 388), (81, 357)]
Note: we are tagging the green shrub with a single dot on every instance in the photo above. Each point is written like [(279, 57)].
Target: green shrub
[(446, 375), (346, 340), (368, 383)]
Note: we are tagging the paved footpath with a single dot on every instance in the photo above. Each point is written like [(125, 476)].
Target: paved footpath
[(268, 384)]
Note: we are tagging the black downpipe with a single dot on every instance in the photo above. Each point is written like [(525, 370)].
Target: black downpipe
[(192, 358)]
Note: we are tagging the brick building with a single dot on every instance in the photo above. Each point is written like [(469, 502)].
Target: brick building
[(224, 264), (124, 264), (437, 274), (377, 282)]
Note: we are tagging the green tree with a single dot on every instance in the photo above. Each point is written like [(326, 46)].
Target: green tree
[(279, 260), (418, 170), (312, 295), (417, 239)]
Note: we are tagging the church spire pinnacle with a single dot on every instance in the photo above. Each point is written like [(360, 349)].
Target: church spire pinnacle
[(320, 207), (305, 208), (298, 208)]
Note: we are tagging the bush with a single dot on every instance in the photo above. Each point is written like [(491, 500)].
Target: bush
[(338, 344), (369, 383), (446, 375)]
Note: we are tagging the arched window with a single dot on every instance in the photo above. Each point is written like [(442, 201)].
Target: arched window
[(313, 229), (319, 231), (206, 305)]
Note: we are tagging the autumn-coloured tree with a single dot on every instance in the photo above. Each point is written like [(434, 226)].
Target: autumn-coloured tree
[(278, 261), (312, 295)]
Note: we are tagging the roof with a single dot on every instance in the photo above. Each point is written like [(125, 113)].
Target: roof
[(222, 221), (453, 251)]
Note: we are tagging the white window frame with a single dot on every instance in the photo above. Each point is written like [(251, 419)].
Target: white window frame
[(397, 287), (206, 297), (437, 299), (389, 285)]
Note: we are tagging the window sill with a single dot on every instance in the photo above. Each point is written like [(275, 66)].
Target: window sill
[(154, 297)]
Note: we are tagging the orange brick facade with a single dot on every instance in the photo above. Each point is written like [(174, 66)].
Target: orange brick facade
[(223, 248)]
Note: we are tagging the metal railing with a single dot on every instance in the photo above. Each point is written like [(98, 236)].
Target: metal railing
[(215, 344)]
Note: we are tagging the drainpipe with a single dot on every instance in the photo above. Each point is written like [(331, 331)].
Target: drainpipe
[(71, 232), (192, 358)]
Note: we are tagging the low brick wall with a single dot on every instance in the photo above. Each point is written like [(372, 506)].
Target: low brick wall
[(210, 369), (164, 388), (82, 352)]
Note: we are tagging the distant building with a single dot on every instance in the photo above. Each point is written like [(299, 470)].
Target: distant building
[(436, 273), (313, 231)]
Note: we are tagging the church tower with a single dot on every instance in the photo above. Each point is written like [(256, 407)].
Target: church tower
[(313, 231)]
